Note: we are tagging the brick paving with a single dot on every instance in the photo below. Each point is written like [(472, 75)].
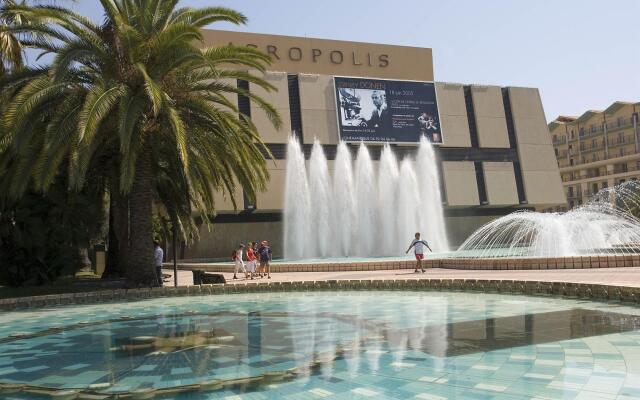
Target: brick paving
[(605, 276)]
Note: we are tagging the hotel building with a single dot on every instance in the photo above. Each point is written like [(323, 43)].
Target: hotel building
[(599, 149), (496, 156)]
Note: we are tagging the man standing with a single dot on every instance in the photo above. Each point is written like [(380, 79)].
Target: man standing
[(380, 115), (158, 258), (265, 258), (418, 246)]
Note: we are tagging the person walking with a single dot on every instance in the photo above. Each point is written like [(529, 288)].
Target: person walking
[(251, 259), (265, 258), (239, 264), (158, 258), (418, 246)]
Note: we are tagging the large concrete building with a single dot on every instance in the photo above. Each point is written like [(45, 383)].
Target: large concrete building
[(496, 155), (599, 149)]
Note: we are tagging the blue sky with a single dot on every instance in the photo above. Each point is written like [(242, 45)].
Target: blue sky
[(581, 54)]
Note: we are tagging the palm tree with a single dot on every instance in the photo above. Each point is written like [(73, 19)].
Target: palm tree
[(10, 47), (140, 84)]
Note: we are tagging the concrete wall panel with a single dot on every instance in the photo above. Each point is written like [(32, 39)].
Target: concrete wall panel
[(501, 183), (460, 183), (541, 178), (453, 115), (317, 102), (490, 118), (280, 100)]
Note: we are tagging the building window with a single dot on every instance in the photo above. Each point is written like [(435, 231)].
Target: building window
[(593, 128), (573, 134), (570, 191), (556, 150), (581, 131), (620, 121), (605, 184), (594, 188), (571, 162), (571, 204)]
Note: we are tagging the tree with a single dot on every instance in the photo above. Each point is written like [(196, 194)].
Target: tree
[(140, 85), (10, 47)]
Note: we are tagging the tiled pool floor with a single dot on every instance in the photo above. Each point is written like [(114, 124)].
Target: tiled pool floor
[(344, 345)]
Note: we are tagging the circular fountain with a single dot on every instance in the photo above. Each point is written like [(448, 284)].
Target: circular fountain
[(605, 225)]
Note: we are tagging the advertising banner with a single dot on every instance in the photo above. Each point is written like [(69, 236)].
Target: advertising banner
[(379, 110)]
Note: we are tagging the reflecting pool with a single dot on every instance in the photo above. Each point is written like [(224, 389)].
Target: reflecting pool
[(345, 345)]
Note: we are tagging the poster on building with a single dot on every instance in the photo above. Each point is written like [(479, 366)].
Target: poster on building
[(380, 110)]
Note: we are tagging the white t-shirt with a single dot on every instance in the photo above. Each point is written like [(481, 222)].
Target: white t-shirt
[(158, 256), (418, 246), (239, 255)]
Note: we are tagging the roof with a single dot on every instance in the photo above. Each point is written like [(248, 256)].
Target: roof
[(566, 119)]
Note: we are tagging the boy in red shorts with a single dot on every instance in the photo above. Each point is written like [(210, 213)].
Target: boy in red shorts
[(418, 246)]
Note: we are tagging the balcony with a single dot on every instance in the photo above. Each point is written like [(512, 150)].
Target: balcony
[(615, 125), (615, 142), (591, 133), (561, 140), (584, 148)]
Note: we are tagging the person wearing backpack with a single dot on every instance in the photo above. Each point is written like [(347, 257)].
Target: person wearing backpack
[(265, 258), (236, 256)]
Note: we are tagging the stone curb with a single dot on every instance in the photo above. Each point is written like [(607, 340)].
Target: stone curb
[(520, 264), (598, 292)]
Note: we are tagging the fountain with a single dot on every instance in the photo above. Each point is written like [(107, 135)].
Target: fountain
[(605, 225), (360, 210), (367, 210)]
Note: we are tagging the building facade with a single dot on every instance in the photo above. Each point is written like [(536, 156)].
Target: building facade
[(496, 155), (599, 149)]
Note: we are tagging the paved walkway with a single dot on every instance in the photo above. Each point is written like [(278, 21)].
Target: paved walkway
[(606, 276)]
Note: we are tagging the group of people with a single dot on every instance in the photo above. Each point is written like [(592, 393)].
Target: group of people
[(254, 255), (263, 256)]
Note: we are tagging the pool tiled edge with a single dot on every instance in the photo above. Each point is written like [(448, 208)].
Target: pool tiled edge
[(524, 263), (587, 291)]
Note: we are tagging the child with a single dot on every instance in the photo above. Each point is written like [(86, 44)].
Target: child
[(237, 257), (418, 246)]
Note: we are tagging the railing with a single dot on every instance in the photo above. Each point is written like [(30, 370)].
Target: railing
[(587, 148), (618, 154), (576, 176), (626, 122), (589, 133), (561, 140), (621, 141)]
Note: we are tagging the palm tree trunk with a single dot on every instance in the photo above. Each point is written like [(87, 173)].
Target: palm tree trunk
[(140, 268), (118, 234)]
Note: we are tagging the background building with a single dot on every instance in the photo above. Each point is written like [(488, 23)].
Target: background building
[(596, 150), (496, 155)]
